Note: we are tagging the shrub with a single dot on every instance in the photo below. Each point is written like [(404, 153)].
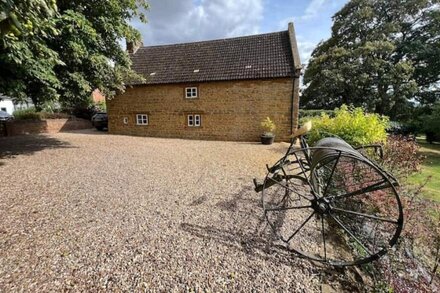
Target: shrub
[(313, 113), (268, 126), (412, 264), (102, 106), (353, 125), (32, 114), (401, 156), (307, 115), (27, 114), (432, 125)]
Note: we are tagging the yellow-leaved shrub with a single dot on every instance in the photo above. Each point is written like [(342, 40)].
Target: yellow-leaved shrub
[(353, 125)]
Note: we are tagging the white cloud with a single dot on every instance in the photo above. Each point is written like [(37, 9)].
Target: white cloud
[(306, 45), (313, 9), (313, 25), (305, 50), (176, 21)]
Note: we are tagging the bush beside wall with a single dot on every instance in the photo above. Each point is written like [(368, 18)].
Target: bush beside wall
[(353, 125), (32, 114)]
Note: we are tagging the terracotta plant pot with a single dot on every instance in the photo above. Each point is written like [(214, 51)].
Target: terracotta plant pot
[(267, 139)]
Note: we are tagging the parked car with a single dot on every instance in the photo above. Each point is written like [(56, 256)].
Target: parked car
[(5, 116), (100, 120)]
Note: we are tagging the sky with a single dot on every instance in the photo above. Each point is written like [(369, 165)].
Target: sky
[(179, 21)]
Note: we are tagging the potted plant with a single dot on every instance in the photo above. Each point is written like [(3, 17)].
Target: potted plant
[(269, 126)]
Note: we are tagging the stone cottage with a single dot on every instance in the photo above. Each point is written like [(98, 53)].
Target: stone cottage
[(218, 89)]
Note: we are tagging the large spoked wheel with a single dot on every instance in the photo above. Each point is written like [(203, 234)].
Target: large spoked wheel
[(341, 210)]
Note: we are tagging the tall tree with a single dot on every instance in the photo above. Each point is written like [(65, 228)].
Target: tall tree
[(26, 62), (76, 47), (88, 43), (383, 55)]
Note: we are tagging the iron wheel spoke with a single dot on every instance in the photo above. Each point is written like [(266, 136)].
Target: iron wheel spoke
[(286, 208), (289, 189), (331, 174), (365, 215), (301, 166), (300, 227), (351, 234), (305, 175), (323, 238), (374, 187)]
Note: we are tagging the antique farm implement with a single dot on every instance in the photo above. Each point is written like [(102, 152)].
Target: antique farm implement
[(331, 202)]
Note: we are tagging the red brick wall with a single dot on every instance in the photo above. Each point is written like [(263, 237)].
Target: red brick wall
[(97, 96), (20, 127), (2, 128)]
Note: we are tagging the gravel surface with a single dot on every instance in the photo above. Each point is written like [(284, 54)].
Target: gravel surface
[(91, 211)]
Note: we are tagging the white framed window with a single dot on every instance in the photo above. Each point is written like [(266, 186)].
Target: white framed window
[(125, 120), (194, 120), (141, 119), (191, 92)]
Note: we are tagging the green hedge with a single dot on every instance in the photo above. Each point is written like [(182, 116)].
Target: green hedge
[(27, 114), (32, 114), (351, 124), (313, 113)]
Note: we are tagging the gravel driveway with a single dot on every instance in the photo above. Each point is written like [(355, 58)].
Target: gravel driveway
[(92, 211)]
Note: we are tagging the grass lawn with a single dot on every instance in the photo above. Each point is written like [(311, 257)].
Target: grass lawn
[(430, 167)]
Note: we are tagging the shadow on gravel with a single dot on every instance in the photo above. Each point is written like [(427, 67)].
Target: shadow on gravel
[(11, 147), (245, 229), (251, 244), (249, 231)]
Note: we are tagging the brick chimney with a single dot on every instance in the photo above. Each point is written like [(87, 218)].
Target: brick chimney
[(297, 73), (294, 46), (133, 46)]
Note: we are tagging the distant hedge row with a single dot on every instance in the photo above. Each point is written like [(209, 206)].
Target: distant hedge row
[(313, 113), (31, 114)]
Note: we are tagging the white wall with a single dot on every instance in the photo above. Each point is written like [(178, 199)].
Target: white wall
[(23, 105), (7, 105)]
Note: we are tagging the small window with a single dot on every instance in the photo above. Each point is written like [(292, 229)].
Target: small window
[(125, 120), (194, 120), (3, 109), (142, 119), (191, 92)]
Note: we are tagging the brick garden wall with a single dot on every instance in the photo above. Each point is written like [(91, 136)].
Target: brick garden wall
[(230, 110), (21, 127), (2, 128)]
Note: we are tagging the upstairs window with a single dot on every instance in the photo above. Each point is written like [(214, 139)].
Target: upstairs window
[(141, 119), (191, 92), (194, 120)]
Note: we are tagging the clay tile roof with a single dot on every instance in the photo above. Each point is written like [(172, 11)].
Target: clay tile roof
[(251, 57)]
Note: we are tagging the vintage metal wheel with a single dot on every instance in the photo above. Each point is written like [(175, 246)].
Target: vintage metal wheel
[(344, 210)]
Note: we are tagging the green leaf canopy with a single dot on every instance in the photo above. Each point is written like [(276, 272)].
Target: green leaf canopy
[(382, 55), (63, 50)]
